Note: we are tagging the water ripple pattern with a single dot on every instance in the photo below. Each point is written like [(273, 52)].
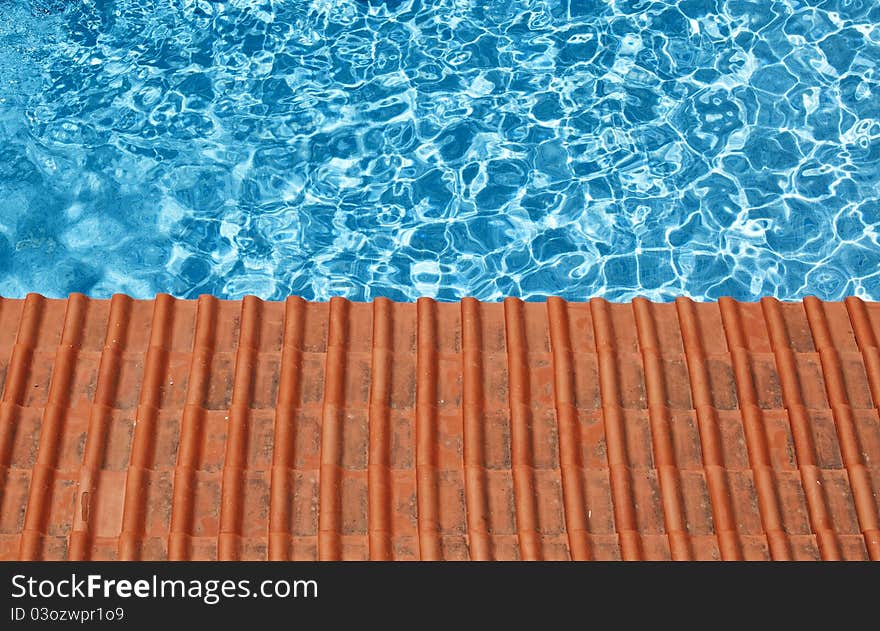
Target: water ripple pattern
[(441, 148)]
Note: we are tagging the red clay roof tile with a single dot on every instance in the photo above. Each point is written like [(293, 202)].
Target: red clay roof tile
[(250, 430)]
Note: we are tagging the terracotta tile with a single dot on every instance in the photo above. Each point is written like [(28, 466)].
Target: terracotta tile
[(733, 440), (455, 548), (853, 548), (24, 435), (548, 488), (640, 453), (686, 441), (536, 327), (669, 340), (632, 381), (804, 548), (753, 327), (795, 515), (156, 498), (605, 547), (755, 548), (766, 381), (208, 429), (825, 437), (451, 496), (260, 441), (698, 507), (586, 381), (648, 502), (858, 392), (705, 547), (722, 381), (797, 327), (600, 508), (841, 329), (747, 512), (353, 499), (580, 326), (591, 430), (676, 383), (16, 484), (656, 547), (839, 496), (868, 429), (779, 439), (709, 325), (624, 330), (809, 372), (107, 501)]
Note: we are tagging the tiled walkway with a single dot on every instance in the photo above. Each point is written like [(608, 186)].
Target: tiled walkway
[(250, 430)]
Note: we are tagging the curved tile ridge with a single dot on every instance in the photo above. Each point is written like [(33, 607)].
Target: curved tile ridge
[(254, 430)]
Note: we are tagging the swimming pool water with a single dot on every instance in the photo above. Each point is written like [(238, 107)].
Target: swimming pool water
[(440, 147)]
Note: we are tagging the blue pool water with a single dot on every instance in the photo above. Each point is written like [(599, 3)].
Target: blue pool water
[(440, 147)]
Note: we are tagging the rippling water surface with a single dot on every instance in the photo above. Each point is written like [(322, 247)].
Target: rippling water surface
[(440, 147)]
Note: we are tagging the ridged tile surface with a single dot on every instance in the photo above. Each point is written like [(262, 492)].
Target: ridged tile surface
[(207, 429)]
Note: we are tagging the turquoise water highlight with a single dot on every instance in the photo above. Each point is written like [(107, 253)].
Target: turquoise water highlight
[(443, 148)]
